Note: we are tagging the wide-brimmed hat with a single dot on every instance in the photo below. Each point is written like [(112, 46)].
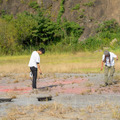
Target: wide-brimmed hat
[(106, 52)]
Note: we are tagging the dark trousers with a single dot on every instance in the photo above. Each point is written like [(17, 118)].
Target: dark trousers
[(34, 72)]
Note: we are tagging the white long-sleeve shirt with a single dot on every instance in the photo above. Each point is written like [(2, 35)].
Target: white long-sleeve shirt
[(34, 60), (112, 62)]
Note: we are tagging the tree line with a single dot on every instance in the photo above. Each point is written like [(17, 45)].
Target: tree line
[(26, 32)]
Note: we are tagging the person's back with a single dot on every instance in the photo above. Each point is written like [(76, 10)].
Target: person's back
[(35, 58)]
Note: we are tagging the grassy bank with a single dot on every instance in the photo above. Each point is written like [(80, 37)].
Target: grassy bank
[(83, 62)]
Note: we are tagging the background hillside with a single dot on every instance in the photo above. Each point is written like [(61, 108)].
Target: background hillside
[(89, 17)]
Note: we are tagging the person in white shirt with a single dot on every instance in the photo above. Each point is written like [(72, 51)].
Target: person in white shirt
[(108, 59), (34, 65)]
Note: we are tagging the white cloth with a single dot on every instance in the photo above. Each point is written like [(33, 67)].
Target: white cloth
[(112, 62), (34, 60)]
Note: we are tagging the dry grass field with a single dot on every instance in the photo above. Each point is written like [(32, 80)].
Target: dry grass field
[(56, 111), (84, 62), (99, 102)]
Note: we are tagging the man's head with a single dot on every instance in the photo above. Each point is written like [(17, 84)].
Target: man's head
[(106, 53), (41, 51)]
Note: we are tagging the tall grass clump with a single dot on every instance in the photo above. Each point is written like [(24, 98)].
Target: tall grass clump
[(34, 5), (91, 3), (76, 7)]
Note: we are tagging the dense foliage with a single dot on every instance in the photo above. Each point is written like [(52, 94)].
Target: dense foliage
[(106, 33), (27, 32), (36, 30), (8, 37)]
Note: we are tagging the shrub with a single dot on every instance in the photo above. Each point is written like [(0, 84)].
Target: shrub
[(61, 11), (106, 32), (46, 31), (90, 3), (34, 5), (7, 17), (2, 12), (110, 25), (1, 1), (24, 24), (8, 37), (35, 30), (77, 7), (72, 28)]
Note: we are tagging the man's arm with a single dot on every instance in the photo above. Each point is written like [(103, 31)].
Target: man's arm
[(115, 56), (102, 65), (38, 65), (103, 57)]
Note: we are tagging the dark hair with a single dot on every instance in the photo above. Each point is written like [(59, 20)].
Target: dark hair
[(106, 57), (42, 50)]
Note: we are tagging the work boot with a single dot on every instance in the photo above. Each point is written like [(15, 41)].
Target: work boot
[(110, 84), (115, 82), (106, 84)]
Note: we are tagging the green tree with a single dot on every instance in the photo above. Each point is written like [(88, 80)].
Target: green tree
[(24, 24), (72, 28), (8, 37), (46, 31)]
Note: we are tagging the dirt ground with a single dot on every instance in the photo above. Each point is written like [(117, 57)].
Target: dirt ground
[(74, 97)]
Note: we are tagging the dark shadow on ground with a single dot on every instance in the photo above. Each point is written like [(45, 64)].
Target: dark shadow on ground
[(47, 87)]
